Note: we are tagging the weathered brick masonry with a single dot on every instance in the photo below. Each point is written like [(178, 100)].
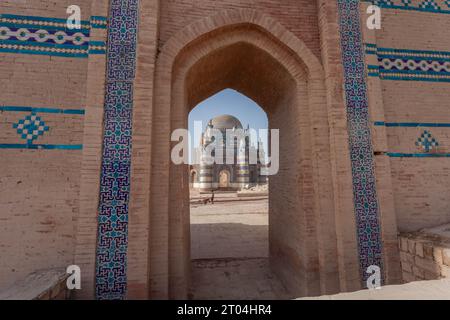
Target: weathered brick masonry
[(424, 256), (364, 119), (40, 189)]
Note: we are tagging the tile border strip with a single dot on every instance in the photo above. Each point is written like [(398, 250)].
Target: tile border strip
[(42, 146), (411, 124), (95, 22), (388, 4), (41, 110), (408, 64), (49, 36), (417, 155)]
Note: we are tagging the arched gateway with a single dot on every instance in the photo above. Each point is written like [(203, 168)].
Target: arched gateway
[(250, 53), (325, 226)]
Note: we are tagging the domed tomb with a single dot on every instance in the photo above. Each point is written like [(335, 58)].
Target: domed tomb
[(224, 122)]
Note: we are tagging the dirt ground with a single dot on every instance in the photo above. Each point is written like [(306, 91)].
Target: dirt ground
[(229, 250)]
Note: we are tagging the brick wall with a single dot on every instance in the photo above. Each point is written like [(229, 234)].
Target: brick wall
[(409, 106), (39, 199), (424, 257), (298, 16)]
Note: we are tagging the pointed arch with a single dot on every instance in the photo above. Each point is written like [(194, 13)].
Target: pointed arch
[(303, 80)]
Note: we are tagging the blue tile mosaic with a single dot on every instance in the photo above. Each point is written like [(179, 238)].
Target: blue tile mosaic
[(434, 6), (41, 146), (31, 127), (427, 142), (112, 243), (418, 155), (48, 36), (411, 65), (361, 152), (41, 110), (412, 124)]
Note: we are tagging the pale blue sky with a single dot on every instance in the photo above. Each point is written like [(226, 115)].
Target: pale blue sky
[(229, 102)]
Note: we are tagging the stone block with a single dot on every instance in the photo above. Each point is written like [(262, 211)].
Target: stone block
[(411, 246), (445, 272), (419, 249), (437, 255), (427, 250), (407, 257), (404, 244), (446, 256), (418, 273), (426, 264), (406, 267), (408, 277), (432, 275)]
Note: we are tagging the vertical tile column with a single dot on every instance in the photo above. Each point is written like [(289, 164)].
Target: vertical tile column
[(360, 143), (112, 243)]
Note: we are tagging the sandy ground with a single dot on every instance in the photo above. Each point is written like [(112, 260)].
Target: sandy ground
[(229, 248), (420, 290)]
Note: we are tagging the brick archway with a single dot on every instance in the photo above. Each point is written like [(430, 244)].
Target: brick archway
[(309, 256)]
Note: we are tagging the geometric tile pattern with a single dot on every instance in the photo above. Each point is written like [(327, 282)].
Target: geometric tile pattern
[(361, 152), (435, 6), (429, 4), (47, 36), (427, 142), (31, 128), (44, 36), (412, 64), (98, 22), (406, 64), (112, 242)]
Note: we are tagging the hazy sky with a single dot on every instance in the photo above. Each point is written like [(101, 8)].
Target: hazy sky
[(229, 102)]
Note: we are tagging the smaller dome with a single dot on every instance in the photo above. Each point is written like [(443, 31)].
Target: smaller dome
[(226, 121)]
